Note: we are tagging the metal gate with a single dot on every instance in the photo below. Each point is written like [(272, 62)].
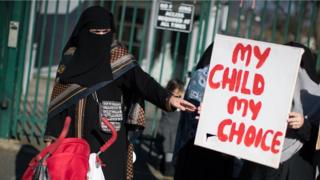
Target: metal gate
[(14, 17), (27, 71)]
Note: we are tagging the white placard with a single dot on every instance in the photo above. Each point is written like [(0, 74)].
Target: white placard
[(247, 99)]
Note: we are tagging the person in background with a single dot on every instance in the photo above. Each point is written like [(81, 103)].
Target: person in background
[(95, 79), (194, 162), (168, 127)]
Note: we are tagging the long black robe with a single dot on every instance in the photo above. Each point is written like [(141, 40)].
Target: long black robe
[(134, 81)]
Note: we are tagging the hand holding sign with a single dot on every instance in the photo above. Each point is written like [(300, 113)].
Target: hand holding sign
[(295, 120)]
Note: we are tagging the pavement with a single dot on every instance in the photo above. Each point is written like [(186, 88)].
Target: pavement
[(15, 156)]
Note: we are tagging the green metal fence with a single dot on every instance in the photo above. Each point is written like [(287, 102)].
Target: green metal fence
[(27, 71)]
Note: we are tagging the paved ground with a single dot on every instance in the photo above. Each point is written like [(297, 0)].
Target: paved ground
[(14, 158)]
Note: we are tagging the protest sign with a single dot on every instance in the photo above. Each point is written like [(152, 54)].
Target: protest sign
[(247, 99)]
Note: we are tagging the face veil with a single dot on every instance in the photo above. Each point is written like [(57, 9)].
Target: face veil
[(90, 64)]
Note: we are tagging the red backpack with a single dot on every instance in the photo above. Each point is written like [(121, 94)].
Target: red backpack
[(66, 158)]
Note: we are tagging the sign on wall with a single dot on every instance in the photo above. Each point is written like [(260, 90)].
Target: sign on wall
[(13, 34), (247, 99), (175, 16)]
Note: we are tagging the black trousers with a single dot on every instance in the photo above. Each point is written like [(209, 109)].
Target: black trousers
[(197, 163), (296, 168)]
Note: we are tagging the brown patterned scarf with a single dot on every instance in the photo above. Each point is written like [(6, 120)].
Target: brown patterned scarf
[(64, 95)]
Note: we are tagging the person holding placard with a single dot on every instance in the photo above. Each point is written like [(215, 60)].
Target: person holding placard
[(310, 98), (294, 164)]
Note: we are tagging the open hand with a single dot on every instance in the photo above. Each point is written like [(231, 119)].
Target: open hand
[(181, 104), (295, 120)]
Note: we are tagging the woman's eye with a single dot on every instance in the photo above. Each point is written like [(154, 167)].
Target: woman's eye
[(99, 31)]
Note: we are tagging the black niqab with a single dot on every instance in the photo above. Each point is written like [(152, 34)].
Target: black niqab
[(90, 63), (205, 58)]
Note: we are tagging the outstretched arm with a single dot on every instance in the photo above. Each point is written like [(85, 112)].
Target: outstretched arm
[(152, 91)]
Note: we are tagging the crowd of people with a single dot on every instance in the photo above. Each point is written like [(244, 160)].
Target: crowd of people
[(97, 77)]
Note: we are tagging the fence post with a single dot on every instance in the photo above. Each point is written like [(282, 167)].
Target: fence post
[(11, 76)]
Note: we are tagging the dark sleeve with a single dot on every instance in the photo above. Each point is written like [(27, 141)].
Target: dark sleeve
[(141, 82), (55, 125), (186, 129), (304, 132), (192, 115)]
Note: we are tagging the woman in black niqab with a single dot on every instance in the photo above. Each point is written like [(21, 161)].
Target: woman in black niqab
[(87, 90), (90, 64)]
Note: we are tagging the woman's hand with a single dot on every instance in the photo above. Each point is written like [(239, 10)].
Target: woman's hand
[(48, 142), (295, 120), (181, 104)]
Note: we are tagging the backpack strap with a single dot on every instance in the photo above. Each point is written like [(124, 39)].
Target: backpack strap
[(109, 142), (54, 146), (113, 136)]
